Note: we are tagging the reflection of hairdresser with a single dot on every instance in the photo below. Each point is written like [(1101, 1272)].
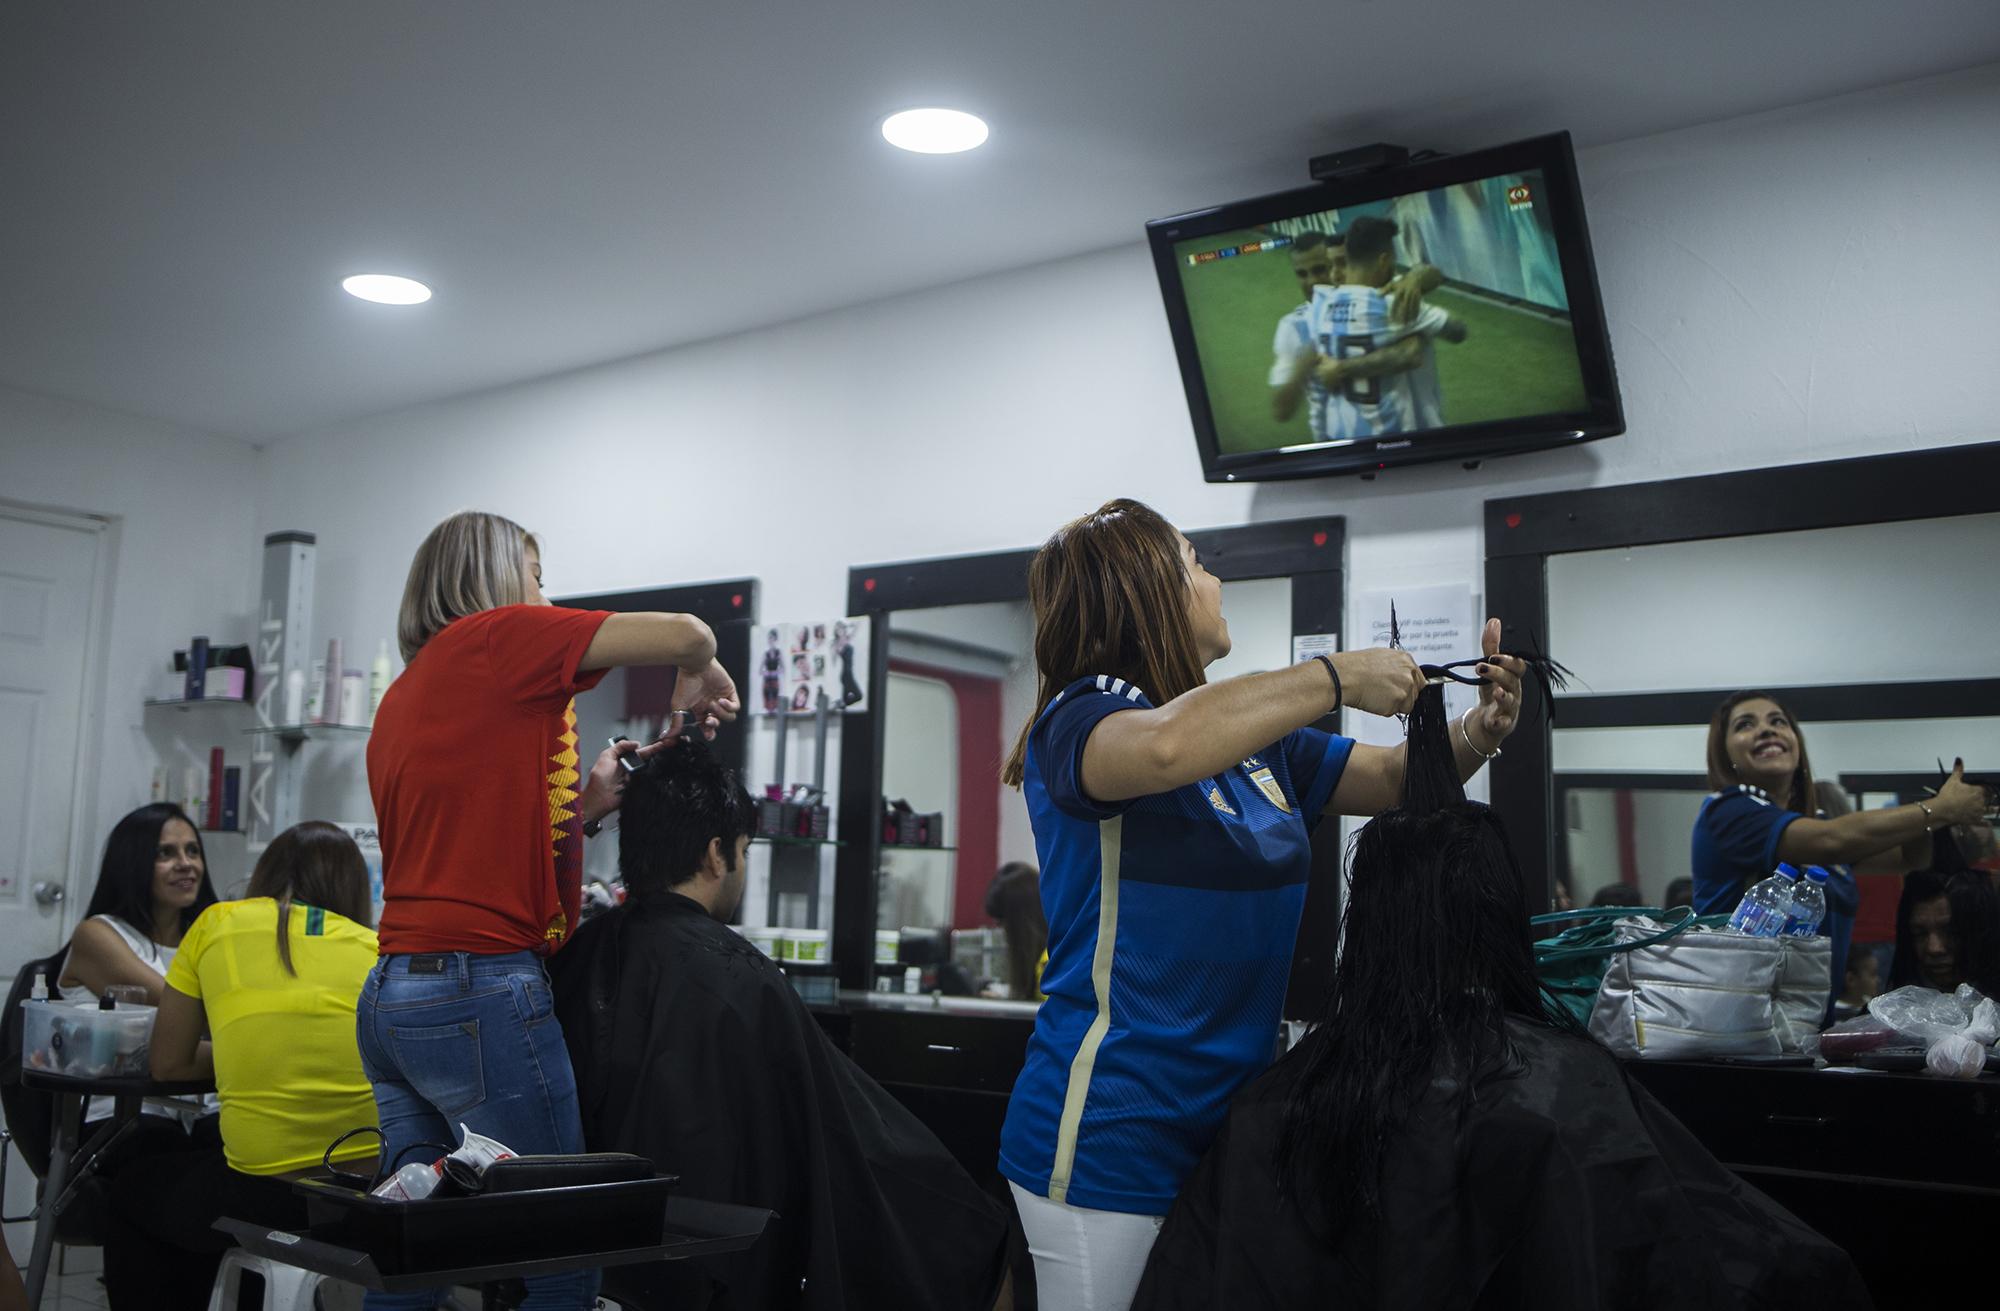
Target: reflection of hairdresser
[(1015, 899), (1947, 927), (1761, 813)]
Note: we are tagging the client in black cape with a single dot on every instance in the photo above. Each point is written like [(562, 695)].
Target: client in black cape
[(1439, 1140), (691, 1048)]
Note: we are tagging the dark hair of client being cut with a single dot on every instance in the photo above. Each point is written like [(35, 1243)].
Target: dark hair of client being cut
[(675, 805), (1435, 960)]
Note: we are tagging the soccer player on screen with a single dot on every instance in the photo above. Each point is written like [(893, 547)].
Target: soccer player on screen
[(1316, 262), (1358, 320)]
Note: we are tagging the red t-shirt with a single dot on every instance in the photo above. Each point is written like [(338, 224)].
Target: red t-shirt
[(473, 768)]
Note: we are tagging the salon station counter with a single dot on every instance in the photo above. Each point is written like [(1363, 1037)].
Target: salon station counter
[(1900, 1168)]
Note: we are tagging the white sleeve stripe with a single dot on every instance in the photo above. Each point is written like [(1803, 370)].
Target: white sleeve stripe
[(1134, 694)]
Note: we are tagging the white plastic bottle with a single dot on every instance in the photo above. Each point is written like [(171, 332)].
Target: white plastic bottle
[(1762, 912), (379, 675), (1808, 904)]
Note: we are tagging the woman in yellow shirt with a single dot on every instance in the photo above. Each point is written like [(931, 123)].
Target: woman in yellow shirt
[(274, 978)]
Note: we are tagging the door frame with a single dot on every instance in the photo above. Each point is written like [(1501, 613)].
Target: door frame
[(103, 531)]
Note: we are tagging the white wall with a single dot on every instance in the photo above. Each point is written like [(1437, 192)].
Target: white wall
[(185, 557), (976, 417)]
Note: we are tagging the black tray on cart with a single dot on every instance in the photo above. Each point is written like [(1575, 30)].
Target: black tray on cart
[(683, 1228), (455, 1232)]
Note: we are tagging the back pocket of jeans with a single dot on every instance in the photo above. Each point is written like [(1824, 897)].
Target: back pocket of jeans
[(441, 1063)]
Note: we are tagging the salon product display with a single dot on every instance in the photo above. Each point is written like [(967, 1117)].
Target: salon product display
[(798, 810), (208, 672), (87, 1039), (904, 826)]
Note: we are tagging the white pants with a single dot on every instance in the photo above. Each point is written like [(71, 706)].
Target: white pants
[(1085, 1260)]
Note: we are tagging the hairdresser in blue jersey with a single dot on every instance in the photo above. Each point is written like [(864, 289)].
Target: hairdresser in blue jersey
[(1763, 812), (1172, 818)]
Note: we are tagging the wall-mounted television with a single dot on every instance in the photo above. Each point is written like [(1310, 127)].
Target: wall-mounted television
[(1444, 309)]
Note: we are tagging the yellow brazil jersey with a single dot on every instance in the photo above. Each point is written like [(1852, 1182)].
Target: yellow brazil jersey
[(286, 1067)]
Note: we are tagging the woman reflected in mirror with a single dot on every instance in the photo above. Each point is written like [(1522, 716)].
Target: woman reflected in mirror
[(1763, 812)]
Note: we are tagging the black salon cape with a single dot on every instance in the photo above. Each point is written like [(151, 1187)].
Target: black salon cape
[(1563, 1186), (691, 1048)]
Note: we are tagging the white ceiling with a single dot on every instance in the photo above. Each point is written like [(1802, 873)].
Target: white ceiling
[(182, 185)]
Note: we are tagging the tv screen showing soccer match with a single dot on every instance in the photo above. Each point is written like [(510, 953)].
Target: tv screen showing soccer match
[(1445, 309)]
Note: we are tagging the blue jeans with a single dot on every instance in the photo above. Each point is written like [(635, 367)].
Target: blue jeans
[(454, 1039)]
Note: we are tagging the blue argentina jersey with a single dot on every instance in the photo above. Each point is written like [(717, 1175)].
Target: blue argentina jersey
[(1171, 926), (1293, 339)]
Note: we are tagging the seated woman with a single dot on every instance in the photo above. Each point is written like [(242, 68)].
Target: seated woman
[(1763, 811), (1947, 926), (1438, 1140), (274, 978), (151, 885)]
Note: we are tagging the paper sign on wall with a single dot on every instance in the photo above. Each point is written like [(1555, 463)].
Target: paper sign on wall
[(1437, 625), (1307, 645)]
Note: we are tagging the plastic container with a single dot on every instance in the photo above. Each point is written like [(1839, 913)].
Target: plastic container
[(769, 941), (1808, 904), (887, 943), (83, 1041), (810, 946), (1762, 912)]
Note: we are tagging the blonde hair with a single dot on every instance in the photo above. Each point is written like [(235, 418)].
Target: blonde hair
[(472, 561)]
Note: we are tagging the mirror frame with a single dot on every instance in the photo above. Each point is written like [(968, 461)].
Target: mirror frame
[(1311, 552), (729, 607), (1522, 532)]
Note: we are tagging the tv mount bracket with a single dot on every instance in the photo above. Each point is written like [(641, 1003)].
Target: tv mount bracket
[(1356, 160)]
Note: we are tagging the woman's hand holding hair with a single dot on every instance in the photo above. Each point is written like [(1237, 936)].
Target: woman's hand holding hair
[(1500, 696), (1959, 802), (708, 696), (1380, 680)]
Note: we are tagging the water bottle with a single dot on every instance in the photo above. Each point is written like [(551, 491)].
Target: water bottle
[(1763, 910), (1808, 904)]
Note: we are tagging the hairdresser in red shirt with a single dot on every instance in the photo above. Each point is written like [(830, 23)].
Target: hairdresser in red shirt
[(473, 768)]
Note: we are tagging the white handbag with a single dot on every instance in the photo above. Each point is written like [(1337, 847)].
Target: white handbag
[(1711, 992)]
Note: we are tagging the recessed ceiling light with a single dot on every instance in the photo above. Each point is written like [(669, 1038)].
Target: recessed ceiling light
[(934, 131), (386, 289)]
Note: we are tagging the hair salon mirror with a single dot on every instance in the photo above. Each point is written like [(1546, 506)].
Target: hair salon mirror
[(944, 884), (1876, 634), (634, 702)]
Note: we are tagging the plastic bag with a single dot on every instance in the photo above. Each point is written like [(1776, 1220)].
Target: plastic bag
[(1924, 1015), (1956, 1056)]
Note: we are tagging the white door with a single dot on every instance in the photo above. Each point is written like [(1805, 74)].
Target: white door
[(48, 590)]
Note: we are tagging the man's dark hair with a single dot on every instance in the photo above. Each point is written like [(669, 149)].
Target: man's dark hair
[(1308, 240), (1370, 238), (674, 806), (1679, 893)]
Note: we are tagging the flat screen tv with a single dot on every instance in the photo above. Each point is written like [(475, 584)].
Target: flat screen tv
[(1444, 309)]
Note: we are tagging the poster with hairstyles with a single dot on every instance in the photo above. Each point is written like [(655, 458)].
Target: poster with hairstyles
[(798, 661)]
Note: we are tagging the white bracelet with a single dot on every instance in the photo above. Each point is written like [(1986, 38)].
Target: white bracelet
[(1930, 820), (1494, 755)]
